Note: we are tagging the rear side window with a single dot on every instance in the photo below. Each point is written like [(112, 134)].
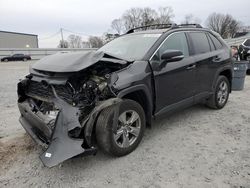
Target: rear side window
[(200, 42), (216, 42), (211, 43)]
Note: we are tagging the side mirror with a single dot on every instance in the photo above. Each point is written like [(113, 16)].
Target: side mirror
[(167, 57), (172, 56)]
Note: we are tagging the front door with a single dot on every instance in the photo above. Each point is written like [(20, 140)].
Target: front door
[(174, 83)]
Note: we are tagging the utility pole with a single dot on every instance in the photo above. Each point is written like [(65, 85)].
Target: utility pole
[(63, 45)]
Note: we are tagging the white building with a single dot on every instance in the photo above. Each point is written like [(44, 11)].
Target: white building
[(18, 40)]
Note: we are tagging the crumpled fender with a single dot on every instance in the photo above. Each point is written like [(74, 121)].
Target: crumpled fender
[(89, 123), (63, 147)]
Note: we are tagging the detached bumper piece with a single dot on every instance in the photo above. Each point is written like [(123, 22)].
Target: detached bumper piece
[(59, 146)]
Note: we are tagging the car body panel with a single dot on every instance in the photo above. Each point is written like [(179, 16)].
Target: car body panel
[(68, 62), (174, 82)]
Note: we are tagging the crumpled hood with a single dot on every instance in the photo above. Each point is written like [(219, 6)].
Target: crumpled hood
[(68, 62)]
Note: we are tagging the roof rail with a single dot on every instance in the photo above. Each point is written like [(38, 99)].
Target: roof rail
[(153, 26), (189, 25)]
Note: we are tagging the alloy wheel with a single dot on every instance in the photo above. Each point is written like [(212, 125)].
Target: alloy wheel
[(222, 93), (128, 128)]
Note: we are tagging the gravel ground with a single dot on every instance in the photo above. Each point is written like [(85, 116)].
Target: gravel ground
[(197, 147)]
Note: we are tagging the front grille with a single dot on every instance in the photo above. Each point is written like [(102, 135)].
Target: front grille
[(43, 92)]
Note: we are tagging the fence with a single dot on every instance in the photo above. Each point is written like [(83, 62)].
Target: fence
[(38, 53)]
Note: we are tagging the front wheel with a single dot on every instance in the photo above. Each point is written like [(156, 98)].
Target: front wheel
[(121, 137), (220, 96)]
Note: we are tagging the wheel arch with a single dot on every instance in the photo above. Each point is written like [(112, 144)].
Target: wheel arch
[(227, 72), (140, 94)]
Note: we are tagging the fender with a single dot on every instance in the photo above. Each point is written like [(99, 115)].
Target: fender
[(228, 67), (144, 88)]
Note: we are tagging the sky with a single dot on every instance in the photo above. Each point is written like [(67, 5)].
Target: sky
[(94, 17)]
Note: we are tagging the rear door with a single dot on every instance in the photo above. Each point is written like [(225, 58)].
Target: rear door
[(176, 81), (207, 60)]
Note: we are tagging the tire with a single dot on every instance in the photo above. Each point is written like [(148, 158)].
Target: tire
[(5, 60), (24, 59), (248, 71), (219, 98), (107, 132)]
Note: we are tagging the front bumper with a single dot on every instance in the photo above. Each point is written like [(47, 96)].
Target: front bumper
[(59, 146)]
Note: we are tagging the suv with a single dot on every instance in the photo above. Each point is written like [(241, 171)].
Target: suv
[(244, 50), (74, 103)]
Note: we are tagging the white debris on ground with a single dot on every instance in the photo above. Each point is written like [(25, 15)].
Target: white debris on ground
[(197, 147)]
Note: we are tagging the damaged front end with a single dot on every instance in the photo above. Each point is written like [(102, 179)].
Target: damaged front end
[(59, 110)]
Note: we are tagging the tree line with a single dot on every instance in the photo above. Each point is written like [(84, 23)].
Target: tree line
[(75, 41), (224, 24)]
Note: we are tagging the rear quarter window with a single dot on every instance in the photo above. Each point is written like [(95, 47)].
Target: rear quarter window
[(212, 46), (200, 42), (216, 42)]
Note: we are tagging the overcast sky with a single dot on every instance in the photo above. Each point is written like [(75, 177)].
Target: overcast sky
[(93, 17)]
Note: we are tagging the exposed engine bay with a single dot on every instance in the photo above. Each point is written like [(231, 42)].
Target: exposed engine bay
[(81, 90), (72, 104)]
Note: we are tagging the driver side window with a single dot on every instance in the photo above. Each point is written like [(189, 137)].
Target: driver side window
[(176, 41)]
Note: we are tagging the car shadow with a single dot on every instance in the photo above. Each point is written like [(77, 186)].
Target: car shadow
[(159, 126)]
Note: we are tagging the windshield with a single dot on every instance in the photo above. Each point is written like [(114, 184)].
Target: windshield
[(131, 47)]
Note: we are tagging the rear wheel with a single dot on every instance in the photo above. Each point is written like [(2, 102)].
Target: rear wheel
[(5, 60), (220, 97), (124, 135), (24, 59)]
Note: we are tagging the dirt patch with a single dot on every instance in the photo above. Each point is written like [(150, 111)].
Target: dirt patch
[(11, 149)]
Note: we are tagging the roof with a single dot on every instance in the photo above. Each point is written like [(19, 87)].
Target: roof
[(161, 31), (18, 33), (162, 28)]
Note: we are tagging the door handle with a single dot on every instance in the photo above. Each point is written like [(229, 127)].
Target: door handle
[(191, 67)]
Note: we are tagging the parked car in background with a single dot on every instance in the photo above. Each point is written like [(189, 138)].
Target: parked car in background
[(244, 50), (79, 102), (16, 57)]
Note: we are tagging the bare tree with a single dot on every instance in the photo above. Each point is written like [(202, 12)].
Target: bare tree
[(136, 17), (148, 16), (191, 19), (225, 25), (63, 44), (117, 25), (85, 44), (95, 42), (132, 18), (75, 41), (107, 37), (165, 14)]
